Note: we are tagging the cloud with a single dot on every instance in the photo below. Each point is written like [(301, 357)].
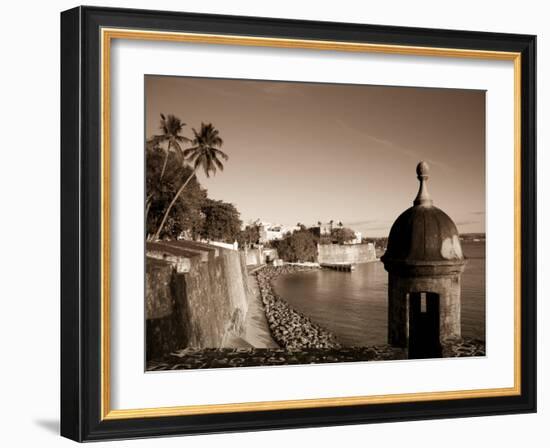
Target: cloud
[(388, 144), (385, 228), (370, 225), (364, 222)]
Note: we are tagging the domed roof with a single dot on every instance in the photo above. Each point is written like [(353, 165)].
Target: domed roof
[(423, 234)]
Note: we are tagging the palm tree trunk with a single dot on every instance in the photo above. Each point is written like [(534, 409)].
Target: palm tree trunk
[(165, 160), (167, 212), (148, 203)]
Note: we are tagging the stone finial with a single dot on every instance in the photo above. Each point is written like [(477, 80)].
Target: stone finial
[(423, 197)]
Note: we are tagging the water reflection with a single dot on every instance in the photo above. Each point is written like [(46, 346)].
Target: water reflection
[(354, 305)]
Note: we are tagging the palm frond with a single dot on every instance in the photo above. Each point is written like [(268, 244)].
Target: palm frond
[(190, 151), (205, 151), (210, 167), (221, 153), (171, 127), (219, 164), (197, 163)]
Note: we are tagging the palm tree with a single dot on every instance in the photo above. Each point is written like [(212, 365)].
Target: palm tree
[(171, 127), (204, 153)]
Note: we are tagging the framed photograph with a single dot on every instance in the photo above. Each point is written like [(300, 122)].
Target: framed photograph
[(273, 223)]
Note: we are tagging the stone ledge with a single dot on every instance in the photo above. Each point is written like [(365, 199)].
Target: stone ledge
[(180, 264), (255, 357)]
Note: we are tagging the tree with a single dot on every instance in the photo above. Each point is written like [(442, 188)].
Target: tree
[(297, 246), (171, 126), (221, 221), (186, 215), (204, 153), (342, 235), (249, 235)]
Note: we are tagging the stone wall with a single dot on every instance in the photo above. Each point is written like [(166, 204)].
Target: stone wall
[(164, 329), (237, 293), (346, 253), (253, 257), (400, 287), (258, 256), (196, 296)]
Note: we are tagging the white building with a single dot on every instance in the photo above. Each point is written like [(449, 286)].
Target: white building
[(357, 240), (272, 232)]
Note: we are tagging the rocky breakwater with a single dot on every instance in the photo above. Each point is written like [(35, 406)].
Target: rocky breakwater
[(462, 347), (290, 328)]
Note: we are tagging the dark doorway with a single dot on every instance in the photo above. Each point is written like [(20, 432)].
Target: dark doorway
[(424, 325)]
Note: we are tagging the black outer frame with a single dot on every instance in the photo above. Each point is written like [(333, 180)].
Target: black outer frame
[(80, 223)]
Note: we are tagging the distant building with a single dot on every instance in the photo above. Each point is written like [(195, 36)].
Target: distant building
[(322, 229), (271, 232), (357, 240), (325, 230)]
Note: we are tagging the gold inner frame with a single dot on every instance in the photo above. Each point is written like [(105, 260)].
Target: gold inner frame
[(107, 35)]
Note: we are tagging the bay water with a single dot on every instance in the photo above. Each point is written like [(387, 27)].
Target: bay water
[(353, 305)]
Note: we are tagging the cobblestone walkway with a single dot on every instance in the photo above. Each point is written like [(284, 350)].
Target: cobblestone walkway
[(218, 358), (249, 357)]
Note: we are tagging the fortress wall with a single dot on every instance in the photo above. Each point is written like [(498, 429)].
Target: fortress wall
[(164, 330), (255, 257), (202, 305), (235, 275), (346, 253)]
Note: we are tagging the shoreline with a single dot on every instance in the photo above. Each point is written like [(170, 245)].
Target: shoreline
[(451, 348), (299, 340), (257, 331), (290, 329)]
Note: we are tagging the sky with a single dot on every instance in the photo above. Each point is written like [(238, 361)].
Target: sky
[(309, 152)]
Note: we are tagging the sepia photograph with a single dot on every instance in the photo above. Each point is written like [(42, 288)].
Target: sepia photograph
[(281, 223), (292, 223)]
